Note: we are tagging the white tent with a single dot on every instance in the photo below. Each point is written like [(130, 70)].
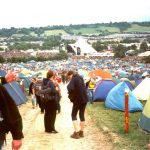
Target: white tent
[(147, 53), (81, 47), (142, 91)]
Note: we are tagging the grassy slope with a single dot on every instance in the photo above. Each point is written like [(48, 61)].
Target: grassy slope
[(97, 30), (114, 121), (137, 28), (33, 34), (54, 32)]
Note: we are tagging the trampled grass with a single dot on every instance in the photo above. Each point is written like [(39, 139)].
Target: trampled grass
[(135, 139)]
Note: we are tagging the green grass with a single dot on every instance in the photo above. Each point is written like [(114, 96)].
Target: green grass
[(54, 32), (97, 30), (94, 30), (137, 28), (33, 34), (114, 121)]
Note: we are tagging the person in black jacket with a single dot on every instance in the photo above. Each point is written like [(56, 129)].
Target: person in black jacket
[(78, 96), (50, 107), (10, 118)]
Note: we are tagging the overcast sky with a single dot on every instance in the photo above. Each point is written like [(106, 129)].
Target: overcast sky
[(36, 13)]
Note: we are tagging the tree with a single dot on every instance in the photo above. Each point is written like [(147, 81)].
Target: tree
[(143, 47), (99, 46), (1, 49), (119, 51), (146, 59), (134, 47), (2, 59)]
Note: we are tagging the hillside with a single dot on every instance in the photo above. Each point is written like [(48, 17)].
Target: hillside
[(97, 29)]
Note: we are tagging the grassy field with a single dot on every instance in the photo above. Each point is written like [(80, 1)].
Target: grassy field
[(137, 28), (113, 120), (95, 31), (54, 32), (33, 34)]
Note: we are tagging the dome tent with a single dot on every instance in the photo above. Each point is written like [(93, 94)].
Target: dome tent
[(15, 92), (115, 99), (102, 89), (142, 91), (128, 82), (2, 73)]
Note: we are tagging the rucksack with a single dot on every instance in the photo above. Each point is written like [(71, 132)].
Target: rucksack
[(45, 92)]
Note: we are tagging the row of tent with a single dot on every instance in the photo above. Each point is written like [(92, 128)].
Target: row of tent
[(105, 87), (106, 90), (113, 96)]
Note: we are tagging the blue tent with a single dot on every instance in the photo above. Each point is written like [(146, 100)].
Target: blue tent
[(2, 73), (102, 89), (27, 81), (15, 92), (138, 81), (132, 77), (129, 84), (115, 99)]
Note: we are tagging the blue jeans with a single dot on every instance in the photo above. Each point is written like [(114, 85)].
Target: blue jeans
[(33, 101), (90, 95), (1, 144)]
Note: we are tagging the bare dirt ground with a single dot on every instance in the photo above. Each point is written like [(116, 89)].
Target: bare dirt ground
[(36, 139)]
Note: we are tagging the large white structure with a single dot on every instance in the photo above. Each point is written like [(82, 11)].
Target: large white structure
[(147, 53), (81, 47)]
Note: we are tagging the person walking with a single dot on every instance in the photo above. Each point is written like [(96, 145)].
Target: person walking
[(10, 118), (51, 105), (36, 88), (32, 92), (58, 92), (78, 96)]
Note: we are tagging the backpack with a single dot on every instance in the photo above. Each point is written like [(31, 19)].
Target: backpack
[(45, 93)]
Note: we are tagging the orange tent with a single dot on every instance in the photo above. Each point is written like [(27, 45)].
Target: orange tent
[(101, 73)]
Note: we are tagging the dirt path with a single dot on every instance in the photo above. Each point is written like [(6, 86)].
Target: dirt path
[(36, 139)]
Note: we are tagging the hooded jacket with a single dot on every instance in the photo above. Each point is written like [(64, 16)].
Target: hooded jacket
[(77, 90)]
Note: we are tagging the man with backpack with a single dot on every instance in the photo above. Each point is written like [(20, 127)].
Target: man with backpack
[(50, 106)]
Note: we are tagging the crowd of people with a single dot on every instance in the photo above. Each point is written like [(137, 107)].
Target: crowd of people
[(79, 93), (11, 120)]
